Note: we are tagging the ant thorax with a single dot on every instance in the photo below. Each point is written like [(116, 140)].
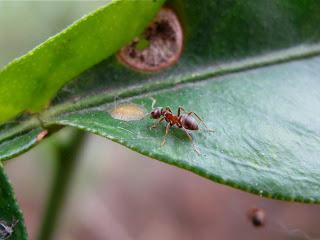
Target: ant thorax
[(167, 114), (171, 118)]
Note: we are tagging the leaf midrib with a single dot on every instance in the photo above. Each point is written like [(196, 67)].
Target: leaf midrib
[(277, 57)]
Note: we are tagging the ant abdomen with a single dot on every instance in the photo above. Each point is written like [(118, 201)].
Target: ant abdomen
[(189, 122)]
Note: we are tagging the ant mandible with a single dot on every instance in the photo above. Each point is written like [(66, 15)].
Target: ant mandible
[(184, 121)]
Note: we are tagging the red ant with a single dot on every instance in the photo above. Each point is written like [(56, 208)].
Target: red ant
[(184, 121)]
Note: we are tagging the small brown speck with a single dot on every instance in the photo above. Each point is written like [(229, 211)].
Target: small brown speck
[(41, 135), (257, 217)]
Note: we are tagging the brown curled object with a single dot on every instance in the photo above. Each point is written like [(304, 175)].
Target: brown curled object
[(257, 217), (165, 41), (41, 135)]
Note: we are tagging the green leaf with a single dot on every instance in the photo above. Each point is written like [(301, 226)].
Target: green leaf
[(266, 122), (18, 144), (10, 214), (248, 68), (29, 83)]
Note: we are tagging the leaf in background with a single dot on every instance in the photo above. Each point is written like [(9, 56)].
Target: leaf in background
[(10, 213), (264, 109), (19, 144), (28, 83)]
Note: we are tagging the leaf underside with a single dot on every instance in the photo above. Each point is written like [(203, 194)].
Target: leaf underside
[(249, 69)]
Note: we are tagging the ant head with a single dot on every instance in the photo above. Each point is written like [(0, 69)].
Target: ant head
[(156, 113)]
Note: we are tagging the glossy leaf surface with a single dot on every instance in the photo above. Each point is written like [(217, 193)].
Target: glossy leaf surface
[(266, 123)]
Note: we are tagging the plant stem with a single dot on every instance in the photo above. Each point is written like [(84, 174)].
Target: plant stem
[(66, 161)]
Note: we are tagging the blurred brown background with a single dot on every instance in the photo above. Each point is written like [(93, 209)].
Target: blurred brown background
[(119, 194)]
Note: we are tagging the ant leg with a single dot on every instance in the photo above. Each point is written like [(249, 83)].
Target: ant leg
[(179, 110), (165, 136), (157, 124), (191, 140), (169, 109), (209, 129), (182, 109)]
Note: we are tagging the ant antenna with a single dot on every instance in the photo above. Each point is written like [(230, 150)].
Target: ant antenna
[(153, 102), (147, 114), (152, 106)]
